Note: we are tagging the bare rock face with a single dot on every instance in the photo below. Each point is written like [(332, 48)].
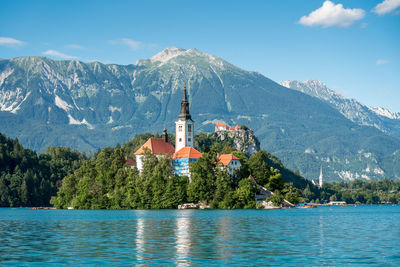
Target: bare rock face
[(243, 139)]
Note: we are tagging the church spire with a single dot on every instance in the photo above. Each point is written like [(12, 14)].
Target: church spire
[(184, 93), (164, 135), (185, 114), (320, 178)]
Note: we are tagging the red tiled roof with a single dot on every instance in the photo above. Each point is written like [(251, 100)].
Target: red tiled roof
[(130, 162), (226, 159), (157, 146), (237, 127), (232, 128), (187, 153), (221, 125)]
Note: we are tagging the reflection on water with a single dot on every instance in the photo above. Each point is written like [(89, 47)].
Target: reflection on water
[(183, 243), (140, 239), (321, 235), (224, 244), (324, 236)]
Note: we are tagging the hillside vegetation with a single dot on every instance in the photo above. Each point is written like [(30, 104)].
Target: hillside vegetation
[(28, 179)]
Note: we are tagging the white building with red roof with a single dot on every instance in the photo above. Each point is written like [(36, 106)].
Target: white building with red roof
[(182, 159), (224, 127), (221, 127), (230, 162), (156, 146), (130, 162)]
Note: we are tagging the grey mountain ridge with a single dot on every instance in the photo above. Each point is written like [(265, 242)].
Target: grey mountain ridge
[(380, 118), (87, 106)]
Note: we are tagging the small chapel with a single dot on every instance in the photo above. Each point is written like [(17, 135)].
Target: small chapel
[(184, 152)]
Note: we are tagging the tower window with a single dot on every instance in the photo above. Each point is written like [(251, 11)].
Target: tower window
[(180, 139), (189, 139), (189, 128), (180, 128)]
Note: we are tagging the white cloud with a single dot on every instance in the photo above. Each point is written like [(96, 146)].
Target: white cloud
[(134, 45), (381, 61), (74, 46), (386, 6), (56, 54), (332, 15), (11, 42)]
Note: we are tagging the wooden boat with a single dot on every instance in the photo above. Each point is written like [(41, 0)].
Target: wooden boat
[(306, 206)]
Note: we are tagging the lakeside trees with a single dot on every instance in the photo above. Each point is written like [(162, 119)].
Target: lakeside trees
[(361, 192), (28, 179), (104, 181)]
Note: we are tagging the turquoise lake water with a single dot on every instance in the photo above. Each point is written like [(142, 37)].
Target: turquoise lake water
[(362, 235)]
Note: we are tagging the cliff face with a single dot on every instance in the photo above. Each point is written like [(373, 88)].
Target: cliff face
[(243, 139)]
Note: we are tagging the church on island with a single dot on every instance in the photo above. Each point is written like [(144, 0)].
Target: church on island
[(184, 152)]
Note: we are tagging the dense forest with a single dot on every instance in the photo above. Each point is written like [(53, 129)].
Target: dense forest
[(104, 181), (28, 179)]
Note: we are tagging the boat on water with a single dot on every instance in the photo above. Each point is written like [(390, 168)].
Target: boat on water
[(306, 206), (336, 203), (199, 205)]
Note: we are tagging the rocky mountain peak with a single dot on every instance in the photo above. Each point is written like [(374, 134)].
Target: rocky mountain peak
[(167, 54), (386, 113), (350, 108), (192, 56)]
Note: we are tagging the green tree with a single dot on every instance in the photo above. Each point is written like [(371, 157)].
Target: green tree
[(202, 185), (258, 168), (275, 181), (244, 195), (277, 198), (223, 190)]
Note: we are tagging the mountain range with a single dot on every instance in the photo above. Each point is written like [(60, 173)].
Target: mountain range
[(87, 106), (378, 117)]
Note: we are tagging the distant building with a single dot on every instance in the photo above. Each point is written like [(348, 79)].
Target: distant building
[(156, 146), (221, 127), (130, 162), (320, 178), (182, 159), (224, 127), (319, 184), (230, 162)]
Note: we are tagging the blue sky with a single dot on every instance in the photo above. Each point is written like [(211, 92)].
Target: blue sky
[(351, 45)]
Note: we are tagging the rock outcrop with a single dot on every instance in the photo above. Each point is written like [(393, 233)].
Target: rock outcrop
[(243, 139)]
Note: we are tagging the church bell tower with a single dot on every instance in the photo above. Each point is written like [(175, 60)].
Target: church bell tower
[(184, 125)]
